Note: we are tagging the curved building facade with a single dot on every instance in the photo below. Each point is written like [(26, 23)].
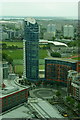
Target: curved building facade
[(56, 69), (31, 46)]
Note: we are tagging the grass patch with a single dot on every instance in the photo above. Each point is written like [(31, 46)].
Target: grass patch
[(0, 51), (18, 69), (41, 61), (14, 54), (18, 61), (43, 53), (18, 54), (76, 58), (41, 67)]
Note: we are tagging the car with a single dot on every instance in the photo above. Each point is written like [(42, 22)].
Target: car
[(65, 115)]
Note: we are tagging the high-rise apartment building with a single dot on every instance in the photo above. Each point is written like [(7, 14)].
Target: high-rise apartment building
[(68, 31), (51, 32), (31, 46), (51, 28)]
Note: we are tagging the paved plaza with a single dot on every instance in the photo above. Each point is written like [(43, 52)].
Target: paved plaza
[(42, 92)]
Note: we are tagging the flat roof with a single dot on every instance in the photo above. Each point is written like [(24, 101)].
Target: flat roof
[(10, 88), (45, 109), (62, 59), (41, 107), (53, 42), (19, 112), (58, 43), (31, 20)]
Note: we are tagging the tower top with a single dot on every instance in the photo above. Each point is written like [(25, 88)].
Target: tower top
[(31, 20)]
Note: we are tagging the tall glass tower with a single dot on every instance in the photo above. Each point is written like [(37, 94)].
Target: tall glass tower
[(31, 47)]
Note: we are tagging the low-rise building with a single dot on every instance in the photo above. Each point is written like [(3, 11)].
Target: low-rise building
[(12, 95)]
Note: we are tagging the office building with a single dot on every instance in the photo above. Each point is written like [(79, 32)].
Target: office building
[(31, 46), (68, 31), (56, 69)]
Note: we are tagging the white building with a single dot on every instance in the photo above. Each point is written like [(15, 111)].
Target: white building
[(48, 35), (68, 31), (4, 35), (1, 74), (51, 28), (0, 33)]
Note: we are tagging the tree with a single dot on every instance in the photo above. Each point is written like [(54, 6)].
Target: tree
[(53, 38), (7, 58), (73, 43), (61, 37), (4, 45), (10, 60), (70, 100), (58, 94), (4, 55), (55, 54)]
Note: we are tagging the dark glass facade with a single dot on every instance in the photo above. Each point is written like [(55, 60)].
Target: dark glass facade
[(31, 47)]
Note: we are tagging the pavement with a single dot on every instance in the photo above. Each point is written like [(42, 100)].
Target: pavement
[(45, 93)]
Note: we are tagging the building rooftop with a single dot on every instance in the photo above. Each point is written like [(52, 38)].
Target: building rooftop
[(35, 106), (10, 88), (58, 43), (62, 59), (53, 42), (19, 112), (31, 20), (45, 109)]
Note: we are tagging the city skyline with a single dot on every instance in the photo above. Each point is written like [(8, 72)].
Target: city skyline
[(37, 8)]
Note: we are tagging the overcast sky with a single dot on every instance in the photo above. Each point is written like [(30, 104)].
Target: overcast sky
[(63, 8)]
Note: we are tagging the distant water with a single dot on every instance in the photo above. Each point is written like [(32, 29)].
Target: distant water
[(37, 17)]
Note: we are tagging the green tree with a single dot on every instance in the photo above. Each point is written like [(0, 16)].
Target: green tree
[(73, 43), (4, 56), (58, 94), (53, 38), (61, 37), (70, 100), (55, 54), (4, 45), (7, 58)]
